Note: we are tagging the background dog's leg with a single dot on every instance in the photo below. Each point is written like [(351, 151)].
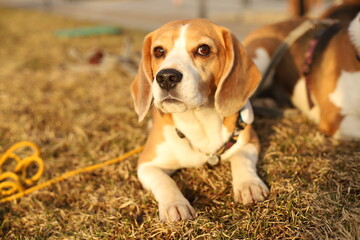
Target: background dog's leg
[(349, 128), (248, 187), (173, 206)]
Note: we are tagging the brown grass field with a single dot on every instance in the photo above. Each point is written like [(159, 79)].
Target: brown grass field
[(79, 118)]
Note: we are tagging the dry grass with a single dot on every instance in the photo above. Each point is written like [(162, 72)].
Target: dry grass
[(83, 118)]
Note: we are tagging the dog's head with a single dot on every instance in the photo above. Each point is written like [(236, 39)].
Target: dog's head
[(190, 64)]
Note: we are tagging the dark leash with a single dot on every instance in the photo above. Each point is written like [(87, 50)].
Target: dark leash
[(314, 49), (330, 27), (281, 50)]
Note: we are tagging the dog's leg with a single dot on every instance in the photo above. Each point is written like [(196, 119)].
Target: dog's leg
[(173, 206), (248, 187)]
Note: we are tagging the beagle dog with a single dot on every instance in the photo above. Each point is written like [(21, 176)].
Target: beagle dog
[(196, 78), (319, 74)]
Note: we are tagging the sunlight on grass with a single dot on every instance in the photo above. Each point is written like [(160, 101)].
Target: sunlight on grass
[(83, 117)]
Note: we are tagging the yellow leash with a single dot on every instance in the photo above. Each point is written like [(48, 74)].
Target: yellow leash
[(12, 183)]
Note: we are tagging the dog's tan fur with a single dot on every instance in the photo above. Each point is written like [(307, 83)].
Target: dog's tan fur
[(204, 106)]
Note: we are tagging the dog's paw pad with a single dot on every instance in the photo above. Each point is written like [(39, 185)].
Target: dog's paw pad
[(250, 192)]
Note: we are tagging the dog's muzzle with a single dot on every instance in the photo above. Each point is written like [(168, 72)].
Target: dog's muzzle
[(168, 78)]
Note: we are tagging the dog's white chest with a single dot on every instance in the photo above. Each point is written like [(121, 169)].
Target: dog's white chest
[(204, 134), (347, 97), (347, 93), (203, 128)]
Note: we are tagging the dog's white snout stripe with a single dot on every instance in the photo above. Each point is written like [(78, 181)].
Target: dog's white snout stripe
[(185, 91)]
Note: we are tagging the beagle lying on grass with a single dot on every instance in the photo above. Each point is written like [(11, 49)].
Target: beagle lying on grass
[(320, 73), (199, 79)]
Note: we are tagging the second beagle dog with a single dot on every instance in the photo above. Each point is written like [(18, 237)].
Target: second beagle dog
[(199, 79), (320, 72)]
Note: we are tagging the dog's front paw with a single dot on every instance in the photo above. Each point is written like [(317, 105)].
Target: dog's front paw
[(250, 191), (176, 211)]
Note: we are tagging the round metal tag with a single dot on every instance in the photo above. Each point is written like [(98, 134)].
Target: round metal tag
[(213, 159)]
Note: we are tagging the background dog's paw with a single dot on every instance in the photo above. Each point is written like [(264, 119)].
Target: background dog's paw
[(250, 191), (264, 103), (176, 211)]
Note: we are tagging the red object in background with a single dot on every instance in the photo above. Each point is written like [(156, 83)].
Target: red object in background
[(96, 57)]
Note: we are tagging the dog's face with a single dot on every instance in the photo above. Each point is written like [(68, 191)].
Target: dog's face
[(190, 64), (185, 67)]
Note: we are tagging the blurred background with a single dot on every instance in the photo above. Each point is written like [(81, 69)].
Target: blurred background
[(240, 16)]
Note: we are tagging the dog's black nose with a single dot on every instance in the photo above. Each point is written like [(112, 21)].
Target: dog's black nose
[(168, 78)]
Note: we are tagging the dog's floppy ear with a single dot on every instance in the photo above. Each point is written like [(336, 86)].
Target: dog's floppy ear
[(239, 80), (141, 86)]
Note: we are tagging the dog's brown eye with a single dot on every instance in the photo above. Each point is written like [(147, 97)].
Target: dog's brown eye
[(159, 52), (203, 50)]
